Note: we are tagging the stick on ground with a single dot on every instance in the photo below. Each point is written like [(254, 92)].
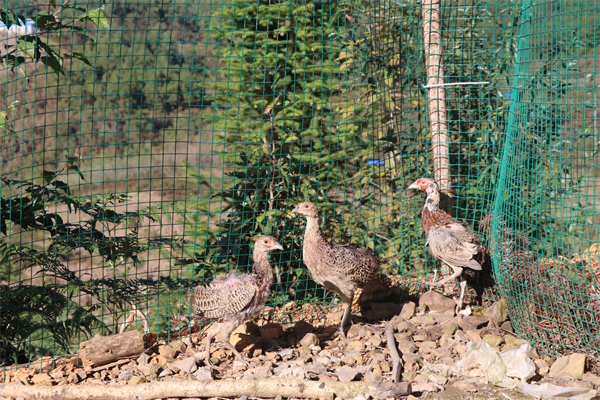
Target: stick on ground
[(262, 388), (393, 349)]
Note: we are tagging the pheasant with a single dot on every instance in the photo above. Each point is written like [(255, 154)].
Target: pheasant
[(450, 241), (236, 298), (342, 268)]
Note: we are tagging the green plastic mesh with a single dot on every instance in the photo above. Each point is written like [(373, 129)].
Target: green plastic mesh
[(199, 126)]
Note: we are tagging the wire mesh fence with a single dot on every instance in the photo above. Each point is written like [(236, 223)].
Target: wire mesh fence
[(197, 127)]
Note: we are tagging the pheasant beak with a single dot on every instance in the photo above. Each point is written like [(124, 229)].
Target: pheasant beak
[(414, 186), (295, 210), (277, 246)]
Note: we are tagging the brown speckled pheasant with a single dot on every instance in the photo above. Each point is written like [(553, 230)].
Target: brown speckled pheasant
[(236, 298), (450, 241), (342, 268)]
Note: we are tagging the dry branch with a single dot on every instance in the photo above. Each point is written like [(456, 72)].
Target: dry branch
[(393, 349), (436, 93), (102, 350), (261, 388)]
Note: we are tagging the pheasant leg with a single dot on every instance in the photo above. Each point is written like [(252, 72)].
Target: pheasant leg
[(459, 303), (240, 357), (456, 274), (345, 320), (210, 365)]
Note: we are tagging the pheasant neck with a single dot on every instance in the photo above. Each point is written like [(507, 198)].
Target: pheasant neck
[(313, 230), (262, 266), (433, 200)]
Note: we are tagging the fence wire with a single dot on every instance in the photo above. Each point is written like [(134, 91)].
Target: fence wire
[(199, 126)]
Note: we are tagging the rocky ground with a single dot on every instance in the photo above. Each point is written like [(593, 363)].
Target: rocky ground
[(432, 341)]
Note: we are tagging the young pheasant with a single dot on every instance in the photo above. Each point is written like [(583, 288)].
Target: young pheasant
[(342, 268), (236, 298), (450, 241)]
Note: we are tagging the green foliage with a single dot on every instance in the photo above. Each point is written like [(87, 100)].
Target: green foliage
[(293, 128), (54, 316), (33, 47)]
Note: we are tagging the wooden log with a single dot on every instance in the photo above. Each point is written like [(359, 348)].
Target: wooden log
[(102, 350), (261, 388)]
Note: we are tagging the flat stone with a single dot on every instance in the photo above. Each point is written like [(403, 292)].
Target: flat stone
[(492, 340), (179, 346), (589, 377), (460, 336), (569, 367), (167, 351), (264, 371), (541, 366), (41, 379), (424, 387), (497, 313), (427, 346), (473, 336), (407, 346), (125, 375), (149, 369), (203, 374), (310, 339), (438, 379), (136, 380), (441, 352), (165, 372), (446, 341), (81, 373), (187, 365), (420, 337), (442, 318), (144, 358), (423, 320), (414, 358), (472, 323), (460, 349), (408, 310), (355, 345), (346, 374), (511, 342), (72, 378), (507, 326), (434, 301), (406, 326), (372, 377), (409, 377), (450, 328), (57, 375)]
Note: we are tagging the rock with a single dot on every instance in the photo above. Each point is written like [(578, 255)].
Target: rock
[(81, 373), (441, 352), (420, 337), (423, 320), (442, 318), (460, 336), (355, 345), (334, 318), (375, 341), (125, 375), (354, 331), (438, 379), (167, 351), (464, 385), (426, 346), (407, 311), (346, 374), (406, 326), (409, 357), (497, 313), (301, 328), (305, 351), (271, 330), (424, 387), (589, 377), (542, 366), (381, 311), (187, 365), (179, 346), (160, 360), (286, 354), (511, 342), (473, 336), (569, 367), (144, 358), (407, 346), (264, 371), (492, 340), (203, 374), (372, 377), (41, 379), (446, 341), (310, 339), (507, 326), (434, 301), (148, 369), (450, 328), (165, 372), (73, 378), (136, 380), (409, 376), (460, 349), (472, 323)]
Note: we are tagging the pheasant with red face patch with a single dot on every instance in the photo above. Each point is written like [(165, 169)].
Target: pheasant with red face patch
[(450, 241)]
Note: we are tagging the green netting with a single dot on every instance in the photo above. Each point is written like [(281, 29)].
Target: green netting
[(198, 126)]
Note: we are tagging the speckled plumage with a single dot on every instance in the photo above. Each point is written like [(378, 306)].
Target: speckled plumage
[(342, 268), (450, 241), (236, 298)]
